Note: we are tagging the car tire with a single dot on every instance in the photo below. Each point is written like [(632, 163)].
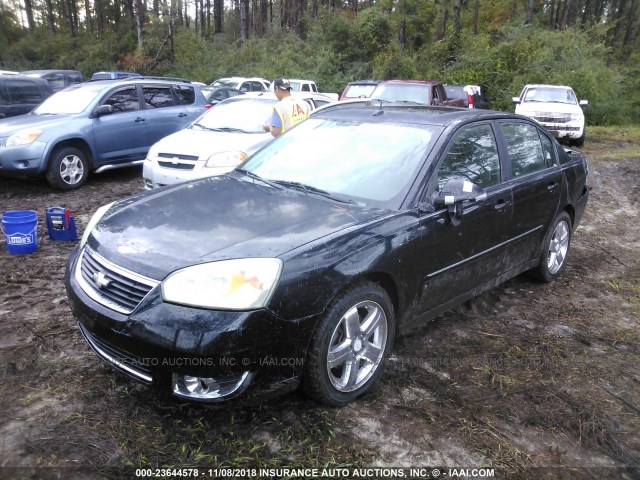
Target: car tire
[(351, 342), (68, 168), (579, 142), (555, 249)]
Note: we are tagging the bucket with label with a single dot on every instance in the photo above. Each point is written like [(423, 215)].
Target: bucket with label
[(21, 229)]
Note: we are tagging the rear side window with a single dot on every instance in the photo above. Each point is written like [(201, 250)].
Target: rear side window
[(547, 150), (524, 147), (158, 97), (473, 156), (124, 100), (185, 95), (22, 92)]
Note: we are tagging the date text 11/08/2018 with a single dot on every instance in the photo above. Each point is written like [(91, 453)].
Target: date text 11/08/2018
[(314, 472)]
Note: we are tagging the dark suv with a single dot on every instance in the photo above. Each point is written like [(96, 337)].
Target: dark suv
[(58, 79), (95, 126), (20, 94)]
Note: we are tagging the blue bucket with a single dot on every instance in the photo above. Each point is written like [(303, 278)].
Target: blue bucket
[(21, 229)]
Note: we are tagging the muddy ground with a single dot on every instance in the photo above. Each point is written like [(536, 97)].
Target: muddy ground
[(533, 380)]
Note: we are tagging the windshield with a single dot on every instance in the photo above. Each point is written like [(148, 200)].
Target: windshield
[(225, 82), (402, 93), (359, 91), (552, 95), (370, 162), (68, 102), (246, 115)]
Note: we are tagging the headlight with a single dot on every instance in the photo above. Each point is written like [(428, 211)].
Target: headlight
[(92, 223), (23, 137), (577, 117), (241, 284), (226, 159)]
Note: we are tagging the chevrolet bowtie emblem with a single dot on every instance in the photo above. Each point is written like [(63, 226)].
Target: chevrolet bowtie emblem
[(100, 280)]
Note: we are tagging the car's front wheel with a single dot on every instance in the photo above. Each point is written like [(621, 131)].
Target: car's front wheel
[(68, 168), (350, 345), (579, 142), (555, 249)]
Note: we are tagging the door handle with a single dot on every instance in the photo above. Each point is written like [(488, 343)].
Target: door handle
[(501, 205), (139, 119), (552, 186), (182, 114)]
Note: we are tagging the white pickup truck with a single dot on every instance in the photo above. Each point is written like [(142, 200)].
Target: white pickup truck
[(557, 108), (298, 85)]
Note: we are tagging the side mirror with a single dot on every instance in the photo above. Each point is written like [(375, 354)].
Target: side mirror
[(104, 110), (515, 100), (454, 193), (584, 103)]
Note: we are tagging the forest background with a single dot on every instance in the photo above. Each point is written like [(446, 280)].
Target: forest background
[(591, 45)]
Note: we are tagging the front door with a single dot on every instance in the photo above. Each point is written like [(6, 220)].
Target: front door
[(461, 258), (122, 135)]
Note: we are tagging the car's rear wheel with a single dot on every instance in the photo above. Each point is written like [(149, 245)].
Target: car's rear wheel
[(555, 249), (68, 168), (350, 345)]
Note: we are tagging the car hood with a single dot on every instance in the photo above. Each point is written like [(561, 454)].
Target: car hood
[(216, 218), (20, 122), (204, 143), (531, 107)]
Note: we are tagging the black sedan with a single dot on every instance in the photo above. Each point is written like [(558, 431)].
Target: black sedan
[(300, 266)]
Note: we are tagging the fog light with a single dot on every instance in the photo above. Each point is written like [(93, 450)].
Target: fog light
[(204, 388)]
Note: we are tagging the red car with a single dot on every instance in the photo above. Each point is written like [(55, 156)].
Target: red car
[(422, 92)]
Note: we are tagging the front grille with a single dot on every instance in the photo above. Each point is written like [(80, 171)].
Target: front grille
[(178, 157), (552, 117), (177, 166), (125, 361), (110, 285)]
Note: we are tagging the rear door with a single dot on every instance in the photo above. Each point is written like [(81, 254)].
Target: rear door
[(164, 114), (122, 135), (460, 258), (536, 180), (21, 95)]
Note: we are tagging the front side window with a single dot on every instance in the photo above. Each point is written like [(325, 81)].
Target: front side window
[(124, 100), (473, 156), (524, 147), (158, 97), (185, 95), (56, 80)]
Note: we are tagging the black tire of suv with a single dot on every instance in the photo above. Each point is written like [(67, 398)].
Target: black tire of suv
[(580, 141), (71, 161)]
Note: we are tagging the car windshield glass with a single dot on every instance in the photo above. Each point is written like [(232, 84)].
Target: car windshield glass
[(224, 82), (402, 93), (552, 95), (247, 116), (356, 91), (67, 102), (370, 162)]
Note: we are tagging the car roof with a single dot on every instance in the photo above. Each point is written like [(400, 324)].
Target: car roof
[(364, 82), (44, 72), (407, 82), (363, 109), (542, 85)]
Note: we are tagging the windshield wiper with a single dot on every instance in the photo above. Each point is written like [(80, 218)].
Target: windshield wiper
[(309, 189), (255, 176)]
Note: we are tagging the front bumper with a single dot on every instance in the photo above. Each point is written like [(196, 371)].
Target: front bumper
[(252, 354), (22, 160), (156, 175)]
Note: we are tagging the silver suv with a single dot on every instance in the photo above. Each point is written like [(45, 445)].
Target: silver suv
[(96, 126)]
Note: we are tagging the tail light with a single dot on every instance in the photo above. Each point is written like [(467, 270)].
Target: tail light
[(208, 106)]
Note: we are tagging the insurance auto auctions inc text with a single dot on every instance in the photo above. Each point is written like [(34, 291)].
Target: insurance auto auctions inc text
[(348, 473)]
